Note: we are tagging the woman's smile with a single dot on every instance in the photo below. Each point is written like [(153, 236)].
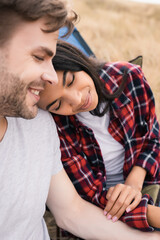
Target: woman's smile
[(74, 93), (87, 102)]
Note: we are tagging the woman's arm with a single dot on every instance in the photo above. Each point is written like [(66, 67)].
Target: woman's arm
[(147, 133), (139, 120), (153, 216), (145, 151), (136, 178)]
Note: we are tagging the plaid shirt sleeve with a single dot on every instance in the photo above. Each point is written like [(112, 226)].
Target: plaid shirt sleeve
[(88, 181), (149, 156), (138, 118), (138, 217)]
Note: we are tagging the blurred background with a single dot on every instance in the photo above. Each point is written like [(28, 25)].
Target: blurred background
[(121, 30)]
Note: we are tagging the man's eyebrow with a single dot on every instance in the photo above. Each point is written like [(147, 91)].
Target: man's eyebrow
[(49, 105), (46, 51)]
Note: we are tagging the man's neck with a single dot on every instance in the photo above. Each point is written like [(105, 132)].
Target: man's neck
[(3, 127)]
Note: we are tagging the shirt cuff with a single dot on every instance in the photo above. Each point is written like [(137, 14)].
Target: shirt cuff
[(137, 218)]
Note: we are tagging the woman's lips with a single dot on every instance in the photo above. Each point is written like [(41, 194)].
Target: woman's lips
[(87, 102)]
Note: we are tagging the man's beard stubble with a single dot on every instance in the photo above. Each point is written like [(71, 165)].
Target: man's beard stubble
[(13, 97)]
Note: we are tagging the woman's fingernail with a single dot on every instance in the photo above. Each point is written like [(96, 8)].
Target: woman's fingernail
[(128, 210), (109, 217), (105, 213), (114, 219)]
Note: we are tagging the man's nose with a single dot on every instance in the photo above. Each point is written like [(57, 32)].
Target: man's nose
[(50, 76)]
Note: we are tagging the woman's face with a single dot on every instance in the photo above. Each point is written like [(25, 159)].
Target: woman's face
[(74, 93)]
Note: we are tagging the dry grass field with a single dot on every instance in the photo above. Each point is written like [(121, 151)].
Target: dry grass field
[(121, 30)]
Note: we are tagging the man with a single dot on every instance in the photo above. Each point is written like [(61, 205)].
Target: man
[(31, 173)]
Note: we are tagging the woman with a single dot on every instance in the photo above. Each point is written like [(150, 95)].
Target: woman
[(105, 116)]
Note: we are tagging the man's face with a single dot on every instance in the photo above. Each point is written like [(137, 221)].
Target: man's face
[(25, 66)]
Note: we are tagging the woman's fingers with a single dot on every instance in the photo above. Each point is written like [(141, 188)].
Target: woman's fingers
[(121, 203), (130, 198), (109, 193), (112, 196), (121, 198), (135, 203)]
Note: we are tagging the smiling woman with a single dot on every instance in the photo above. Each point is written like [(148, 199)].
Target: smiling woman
[(75, 92), (106, 120)]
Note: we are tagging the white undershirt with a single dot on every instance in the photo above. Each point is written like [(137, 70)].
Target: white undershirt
[(112, 151)]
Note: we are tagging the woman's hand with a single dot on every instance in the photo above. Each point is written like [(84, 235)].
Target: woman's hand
[(121, 198)]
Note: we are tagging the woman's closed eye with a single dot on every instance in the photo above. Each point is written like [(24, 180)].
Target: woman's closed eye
[(57, 108), (68, 83), (72, 81)]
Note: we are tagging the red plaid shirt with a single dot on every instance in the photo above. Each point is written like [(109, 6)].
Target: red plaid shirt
[(133, 123)]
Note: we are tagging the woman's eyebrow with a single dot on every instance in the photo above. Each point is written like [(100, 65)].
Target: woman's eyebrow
[(50, 104)]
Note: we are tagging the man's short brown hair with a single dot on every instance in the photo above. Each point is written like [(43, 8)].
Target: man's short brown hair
[(13, 11)]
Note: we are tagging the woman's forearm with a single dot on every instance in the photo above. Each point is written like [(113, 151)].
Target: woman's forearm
[(136, 177), (153, 216)]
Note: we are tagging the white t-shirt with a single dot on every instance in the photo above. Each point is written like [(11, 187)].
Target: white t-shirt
[(112, 151), (29, 156)]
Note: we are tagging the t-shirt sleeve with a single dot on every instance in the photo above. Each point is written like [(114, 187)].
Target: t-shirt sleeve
[(57, 164), (50, 141)]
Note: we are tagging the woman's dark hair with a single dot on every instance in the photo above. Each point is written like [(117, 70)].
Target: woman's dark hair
[(70, 58)]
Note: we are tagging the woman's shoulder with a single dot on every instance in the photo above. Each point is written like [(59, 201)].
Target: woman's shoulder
[(120, 67), (112, 74), (113, 71)]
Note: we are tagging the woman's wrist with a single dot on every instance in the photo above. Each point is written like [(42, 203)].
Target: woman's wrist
[(136, 178)]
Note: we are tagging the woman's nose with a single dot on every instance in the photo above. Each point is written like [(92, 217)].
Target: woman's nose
[(75, 98), (50, 76)]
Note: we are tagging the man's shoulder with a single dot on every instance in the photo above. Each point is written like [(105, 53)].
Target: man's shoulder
[(43, 120), (41, 117)]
